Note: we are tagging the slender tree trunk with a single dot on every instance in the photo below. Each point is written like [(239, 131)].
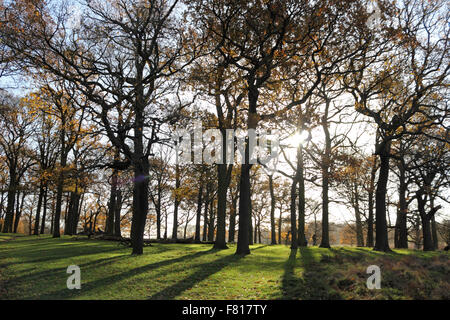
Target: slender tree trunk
[(19, 211), (205, 214), (8, 223), (117, 231), (280, 222), (381, 236), (301, 199), (177, 203), (109, 228), (38, 208), (158, 210), (44, 214), (250, 225), (211, 221), (294, 242), (232, 228), (359, 228), (199, 213), (272, 212), (371, 204)]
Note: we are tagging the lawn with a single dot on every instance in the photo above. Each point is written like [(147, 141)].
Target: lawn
[(35, 268)]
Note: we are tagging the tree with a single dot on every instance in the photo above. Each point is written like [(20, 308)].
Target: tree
[(18, 128), (120, 58)]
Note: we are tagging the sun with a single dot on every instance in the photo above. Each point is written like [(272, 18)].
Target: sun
[(298, 138)]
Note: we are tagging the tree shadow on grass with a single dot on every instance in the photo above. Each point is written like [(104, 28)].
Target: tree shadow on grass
[(204, 271), (103, 282), (312, 284)]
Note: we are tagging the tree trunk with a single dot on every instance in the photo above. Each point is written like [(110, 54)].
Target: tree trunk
[(211, 221), (44, 214), (381, 236), (140, 205), (301, 199), (19, 211), (401, 226), (371, 192), (244, 211), (8, 223), (199, 213), (222, 191), (158, 212), (359, 229), (109, 228), (232, 227), (176, 204), (433, 226), (294, 242), (280, 222), (205, 214), (244, 236), (38, 209), (117, 231), (272, 212)]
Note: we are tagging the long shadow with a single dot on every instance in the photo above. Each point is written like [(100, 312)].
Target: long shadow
[(203, 271), (289, 280), (85, 287), (312, 285), (57, 253), (35, 276)]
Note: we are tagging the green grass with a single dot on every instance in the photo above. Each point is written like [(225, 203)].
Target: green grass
[(35, 268)]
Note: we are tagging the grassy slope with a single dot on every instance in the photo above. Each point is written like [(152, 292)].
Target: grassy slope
[(35, 268)]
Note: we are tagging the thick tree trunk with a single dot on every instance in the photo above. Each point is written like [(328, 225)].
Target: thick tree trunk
[(244, 237), (381, 236), (325, 239), (244, 211), (273, 239), (434, 234), (8, 223), (222, 191), (401, 226), (140, 205)]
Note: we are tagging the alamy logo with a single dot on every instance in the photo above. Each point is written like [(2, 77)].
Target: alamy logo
[(74, 281), (214, 147), (374, 281), (375, 16)]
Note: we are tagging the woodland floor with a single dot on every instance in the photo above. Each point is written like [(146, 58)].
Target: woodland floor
[(35, 268)]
